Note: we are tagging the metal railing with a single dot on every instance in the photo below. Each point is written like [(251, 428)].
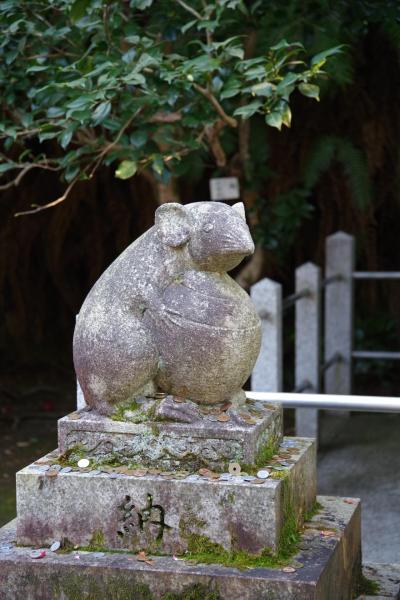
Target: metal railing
[(326, 365), (376, 275), (329, 401)]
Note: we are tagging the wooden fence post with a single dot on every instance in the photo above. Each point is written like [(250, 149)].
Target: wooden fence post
[(339, 267), (308, 344), (267, 372)]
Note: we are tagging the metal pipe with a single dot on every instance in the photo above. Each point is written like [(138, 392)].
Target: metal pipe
[(329, 401), (292, 299), (376, 275), (303, 386), (337, 357), (375, 354), (331, 279)]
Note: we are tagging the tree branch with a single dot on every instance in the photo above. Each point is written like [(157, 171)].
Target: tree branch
[(50, 204), (113, 143), (231, 121), (25, 169), (190, 9)]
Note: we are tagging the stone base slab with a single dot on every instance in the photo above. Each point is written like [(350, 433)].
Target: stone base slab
[(161, 512), (387, 578), (325, 567), (206, 442)]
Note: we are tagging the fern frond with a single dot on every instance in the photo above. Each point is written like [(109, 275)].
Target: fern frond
[(331, 148), (356, 169), (319, 161), (392, 32)]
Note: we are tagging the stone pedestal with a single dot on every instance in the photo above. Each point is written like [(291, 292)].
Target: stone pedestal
[(164, 511), (325, 567), (153, 500), (204, 442)]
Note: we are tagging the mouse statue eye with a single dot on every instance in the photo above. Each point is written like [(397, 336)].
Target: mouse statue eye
[(208, 227)]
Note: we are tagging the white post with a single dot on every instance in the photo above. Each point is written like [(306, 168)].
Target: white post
[(267, 372), (339, 312), (307, 344)]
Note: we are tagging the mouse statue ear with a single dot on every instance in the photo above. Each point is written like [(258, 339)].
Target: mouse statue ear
[(172, 224), (239, 207)]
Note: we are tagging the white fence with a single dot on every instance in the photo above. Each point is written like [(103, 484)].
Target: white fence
[(334, 339)]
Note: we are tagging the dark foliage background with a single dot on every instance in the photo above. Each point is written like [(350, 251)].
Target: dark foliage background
[(338, 167)]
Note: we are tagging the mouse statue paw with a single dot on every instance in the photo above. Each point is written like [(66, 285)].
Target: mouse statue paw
[(174, 408)]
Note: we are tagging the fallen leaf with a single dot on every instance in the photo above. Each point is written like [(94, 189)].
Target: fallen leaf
[(142, 557), (51, 473), (225, 406), (205, 472)]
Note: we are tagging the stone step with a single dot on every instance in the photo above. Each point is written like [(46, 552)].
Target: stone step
[(325, 567), (167, 512), (384, 578)]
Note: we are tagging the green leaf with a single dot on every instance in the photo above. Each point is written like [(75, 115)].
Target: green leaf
[(37, 68), (126, 169), (235, 51), (47, 136), (140, 4), (80, 102), (65, 137), (78, 9), (55, 111), (283, 44), (138, 138), (134, 78), (320, 58), (145, 60), (188, 25), (26, 119), (158, 164), (286, 115), (263, 89), (71, 172), (310, 90), (231, 88), (229, 93), (101, 112), (248, 110), (274, 119), (6, 167), (287, 81)]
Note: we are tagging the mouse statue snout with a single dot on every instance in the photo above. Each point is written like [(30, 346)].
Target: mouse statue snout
[(221, 237), (242, 242)]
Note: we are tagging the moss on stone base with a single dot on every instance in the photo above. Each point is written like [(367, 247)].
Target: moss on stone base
[(290, 532), (365, 586), (79, 587), (194, 592), (202, 550), (314, 510), (97, 541)]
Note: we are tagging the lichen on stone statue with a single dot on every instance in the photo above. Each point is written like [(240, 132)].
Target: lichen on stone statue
[(166, 316)]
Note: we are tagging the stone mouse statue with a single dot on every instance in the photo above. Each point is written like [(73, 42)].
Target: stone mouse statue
[(166, 316)]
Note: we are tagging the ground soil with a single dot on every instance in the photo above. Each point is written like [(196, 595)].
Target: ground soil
[(29, 409)]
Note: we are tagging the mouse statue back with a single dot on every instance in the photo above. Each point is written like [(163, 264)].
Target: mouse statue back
[(166, 316)]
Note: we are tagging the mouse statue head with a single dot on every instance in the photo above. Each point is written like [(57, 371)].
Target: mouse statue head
[(216, 234)]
